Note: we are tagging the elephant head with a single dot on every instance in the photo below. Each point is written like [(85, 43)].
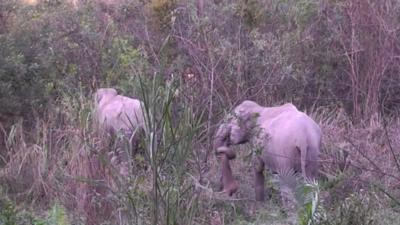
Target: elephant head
[(238, 126), (244, 122), (222, 136), (103, 95)]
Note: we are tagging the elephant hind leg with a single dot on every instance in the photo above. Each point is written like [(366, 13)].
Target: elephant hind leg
[(259, 179)]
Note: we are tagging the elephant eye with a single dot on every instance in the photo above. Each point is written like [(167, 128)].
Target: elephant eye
[(254, 117)]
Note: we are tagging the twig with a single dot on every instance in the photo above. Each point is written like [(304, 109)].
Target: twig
[(362, 154), (209, 190), (390, 145)]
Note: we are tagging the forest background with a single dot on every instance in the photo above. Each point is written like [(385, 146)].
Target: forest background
[(192, 61)]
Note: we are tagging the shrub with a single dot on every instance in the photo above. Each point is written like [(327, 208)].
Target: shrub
[(356, 209)]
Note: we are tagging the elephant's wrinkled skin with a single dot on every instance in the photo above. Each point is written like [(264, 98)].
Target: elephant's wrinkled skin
[(288, 138), (116, 112)]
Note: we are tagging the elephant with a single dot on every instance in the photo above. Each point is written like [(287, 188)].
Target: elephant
[(289, 140), (116, 113), (119, 114)]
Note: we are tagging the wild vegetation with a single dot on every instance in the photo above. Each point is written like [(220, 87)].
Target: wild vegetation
[(191, 61)]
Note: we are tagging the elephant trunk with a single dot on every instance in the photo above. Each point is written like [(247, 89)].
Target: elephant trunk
[(259, 179), (229, 183), (226, 151)]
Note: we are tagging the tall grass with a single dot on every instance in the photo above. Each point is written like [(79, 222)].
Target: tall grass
[(65, 158), (170, 132)]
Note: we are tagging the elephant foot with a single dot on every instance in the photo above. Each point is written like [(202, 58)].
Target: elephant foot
[(230, 154)]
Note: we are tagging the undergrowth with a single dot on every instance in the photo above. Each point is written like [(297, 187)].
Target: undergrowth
[(65, 159)]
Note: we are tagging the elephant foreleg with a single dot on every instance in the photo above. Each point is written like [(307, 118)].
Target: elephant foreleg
[(259, 180)]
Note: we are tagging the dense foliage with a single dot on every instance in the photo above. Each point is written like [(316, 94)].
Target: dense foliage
[(312, 52)]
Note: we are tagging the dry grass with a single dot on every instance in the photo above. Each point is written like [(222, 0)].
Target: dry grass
[(69, 162), (65, 162)]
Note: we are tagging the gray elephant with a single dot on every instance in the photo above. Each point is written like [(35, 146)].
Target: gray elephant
[(288, 139), (119, 114), (116, 113)]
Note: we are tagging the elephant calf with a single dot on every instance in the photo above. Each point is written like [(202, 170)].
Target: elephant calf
[(288, 138), (116, 113)]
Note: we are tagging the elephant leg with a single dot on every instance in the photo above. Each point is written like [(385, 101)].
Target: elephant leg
[(259, 179), (122, 156), (229, 183), (134, 143), (124, 159)]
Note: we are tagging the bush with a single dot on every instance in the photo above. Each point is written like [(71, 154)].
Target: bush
[(8, 213), (356, 209)]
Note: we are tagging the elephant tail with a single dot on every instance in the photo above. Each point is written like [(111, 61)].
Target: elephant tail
[(303, 159)]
